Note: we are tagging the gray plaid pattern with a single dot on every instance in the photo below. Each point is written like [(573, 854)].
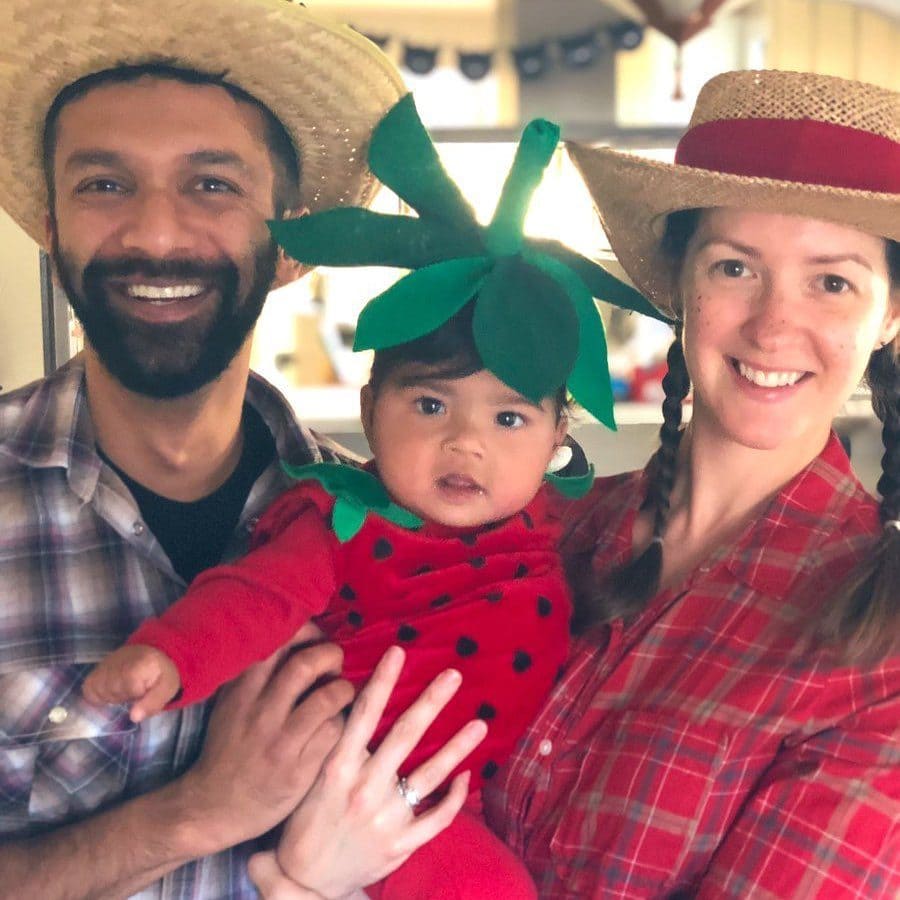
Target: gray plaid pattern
[(78, 572)]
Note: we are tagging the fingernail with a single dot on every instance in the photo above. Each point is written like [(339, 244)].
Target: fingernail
[(451, 676)]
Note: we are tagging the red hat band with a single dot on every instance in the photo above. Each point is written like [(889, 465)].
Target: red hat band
[(806, 151)]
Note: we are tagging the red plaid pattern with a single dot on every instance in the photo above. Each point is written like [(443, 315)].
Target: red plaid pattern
[(697, 752)]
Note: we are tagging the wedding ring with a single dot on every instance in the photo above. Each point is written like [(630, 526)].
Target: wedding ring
[(408, 793)]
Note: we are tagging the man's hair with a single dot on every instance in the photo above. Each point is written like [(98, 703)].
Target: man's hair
[(282, 152)]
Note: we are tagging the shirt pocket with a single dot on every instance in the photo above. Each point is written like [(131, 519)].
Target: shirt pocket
[(60, 757), (633, 817)]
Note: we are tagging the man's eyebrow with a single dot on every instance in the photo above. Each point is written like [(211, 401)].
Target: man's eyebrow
[(218, 158), (82, 159)]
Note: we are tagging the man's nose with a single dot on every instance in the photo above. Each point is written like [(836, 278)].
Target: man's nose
[(157, 225)]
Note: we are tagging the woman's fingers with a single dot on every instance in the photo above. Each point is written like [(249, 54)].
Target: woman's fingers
[(434, 771), (271, 882), (370, 704), (407, 731), (431, 823)]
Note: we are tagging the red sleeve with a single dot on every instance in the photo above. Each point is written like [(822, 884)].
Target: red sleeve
[(235, 615), (824, 822)]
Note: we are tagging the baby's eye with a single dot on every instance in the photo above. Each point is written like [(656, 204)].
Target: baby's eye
[(731, 268), (834, 284), (508, 419), (429, 406)]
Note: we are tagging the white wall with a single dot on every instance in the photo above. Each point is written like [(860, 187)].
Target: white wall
[(21, 348)]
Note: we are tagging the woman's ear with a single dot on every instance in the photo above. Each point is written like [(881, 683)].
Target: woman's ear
[(287, 269)]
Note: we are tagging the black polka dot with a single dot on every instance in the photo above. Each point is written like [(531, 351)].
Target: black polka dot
[(465, 646), (347, 592), (494, 596), (477, 562), (486, 712), (529, 522), (354, 618), (469, 539), (544, 607), (521, 571), (560, 672), (522, 661), (383, 548), (438, 602), (423, 570), (489, 769), (407, 633)]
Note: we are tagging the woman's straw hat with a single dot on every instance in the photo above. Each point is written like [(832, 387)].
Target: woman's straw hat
[(327, 84), (787, 142)]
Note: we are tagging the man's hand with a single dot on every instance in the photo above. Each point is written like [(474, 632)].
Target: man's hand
[(263, 749), (136, 673)]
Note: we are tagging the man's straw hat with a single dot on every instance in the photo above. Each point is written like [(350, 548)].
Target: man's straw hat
[(327, 84), (786, 142)]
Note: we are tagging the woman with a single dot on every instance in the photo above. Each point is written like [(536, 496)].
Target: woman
[(728, 723)]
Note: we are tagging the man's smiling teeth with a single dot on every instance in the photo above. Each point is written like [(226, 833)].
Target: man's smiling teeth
[(164, 292), (768, 379)]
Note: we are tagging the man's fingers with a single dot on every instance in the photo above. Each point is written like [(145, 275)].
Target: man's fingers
[(406, 732)]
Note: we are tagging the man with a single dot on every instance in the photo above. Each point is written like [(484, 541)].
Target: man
[(149, 175)]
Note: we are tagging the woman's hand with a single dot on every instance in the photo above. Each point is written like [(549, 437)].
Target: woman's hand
[(353, 827)]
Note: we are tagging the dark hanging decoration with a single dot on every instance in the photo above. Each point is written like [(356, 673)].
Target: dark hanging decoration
[(419, 60), (580, 50), (626, 35), (475, 65), (531, 61)]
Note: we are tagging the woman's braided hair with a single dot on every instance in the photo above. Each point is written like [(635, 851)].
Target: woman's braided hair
[(862, 619)]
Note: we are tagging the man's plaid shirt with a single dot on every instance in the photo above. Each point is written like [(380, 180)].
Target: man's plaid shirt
[(78, 572), (695, 752)]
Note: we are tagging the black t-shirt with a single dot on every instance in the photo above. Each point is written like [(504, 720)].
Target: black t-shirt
[(195, 535)]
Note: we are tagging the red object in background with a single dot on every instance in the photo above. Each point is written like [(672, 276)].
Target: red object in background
[(646, 383)]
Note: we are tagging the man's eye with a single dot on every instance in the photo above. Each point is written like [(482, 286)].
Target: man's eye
[(508, 419), (429, 406), (100, 186), (834, 284), (215, 186)]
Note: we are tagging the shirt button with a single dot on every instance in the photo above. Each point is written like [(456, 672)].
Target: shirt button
[(545, 748), (138, 528), (58, 715)]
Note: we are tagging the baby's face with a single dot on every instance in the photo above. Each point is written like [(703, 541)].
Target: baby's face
[(462, 451)]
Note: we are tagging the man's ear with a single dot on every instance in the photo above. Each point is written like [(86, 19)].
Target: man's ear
[(367, 411), (287, 269)]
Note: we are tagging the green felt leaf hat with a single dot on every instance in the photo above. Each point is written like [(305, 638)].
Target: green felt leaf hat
[(535, 323)]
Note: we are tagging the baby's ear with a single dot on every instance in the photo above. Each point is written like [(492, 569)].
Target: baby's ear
[(562, 428), (366, 410), (287, 269)]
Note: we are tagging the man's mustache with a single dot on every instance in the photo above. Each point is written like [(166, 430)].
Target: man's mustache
[(221, 272)]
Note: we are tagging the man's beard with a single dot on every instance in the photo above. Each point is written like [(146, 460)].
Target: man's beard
[(165, 360)]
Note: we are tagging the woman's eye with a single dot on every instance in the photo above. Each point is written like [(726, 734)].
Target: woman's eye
[(508, 419), (834, 284), (429, 406), (731, 268)]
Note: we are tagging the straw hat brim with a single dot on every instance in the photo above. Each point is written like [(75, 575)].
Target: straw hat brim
[(633, 195), (326, 83)]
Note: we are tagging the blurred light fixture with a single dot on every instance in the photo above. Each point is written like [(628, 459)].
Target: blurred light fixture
[(419, 60), (579, 50), (475, 65), (531, 61), (626, 35)]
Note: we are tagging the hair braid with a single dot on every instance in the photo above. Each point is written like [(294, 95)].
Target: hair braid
[(863, 620), (626, 591)]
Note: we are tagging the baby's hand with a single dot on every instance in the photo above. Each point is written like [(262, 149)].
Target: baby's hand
[(134, 672)]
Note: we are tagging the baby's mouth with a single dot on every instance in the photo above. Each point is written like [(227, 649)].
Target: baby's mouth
[(461, 483)]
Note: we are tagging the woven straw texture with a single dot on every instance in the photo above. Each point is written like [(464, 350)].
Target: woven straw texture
[(634, 195), (327, 84)]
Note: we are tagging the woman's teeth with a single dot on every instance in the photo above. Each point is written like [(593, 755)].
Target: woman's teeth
[(166, 292), (768, 379)]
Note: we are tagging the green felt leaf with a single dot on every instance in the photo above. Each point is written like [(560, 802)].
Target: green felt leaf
[(419, 303), (347, 517), (602, 284), (539, 140), (589, 381), (572, 486), (352, 236), (402, 155), (525, 328)]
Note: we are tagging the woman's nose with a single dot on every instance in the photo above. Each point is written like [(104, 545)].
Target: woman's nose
[(772, 318)]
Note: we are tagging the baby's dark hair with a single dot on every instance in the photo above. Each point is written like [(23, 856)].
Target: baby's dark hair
[(447, 352)]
